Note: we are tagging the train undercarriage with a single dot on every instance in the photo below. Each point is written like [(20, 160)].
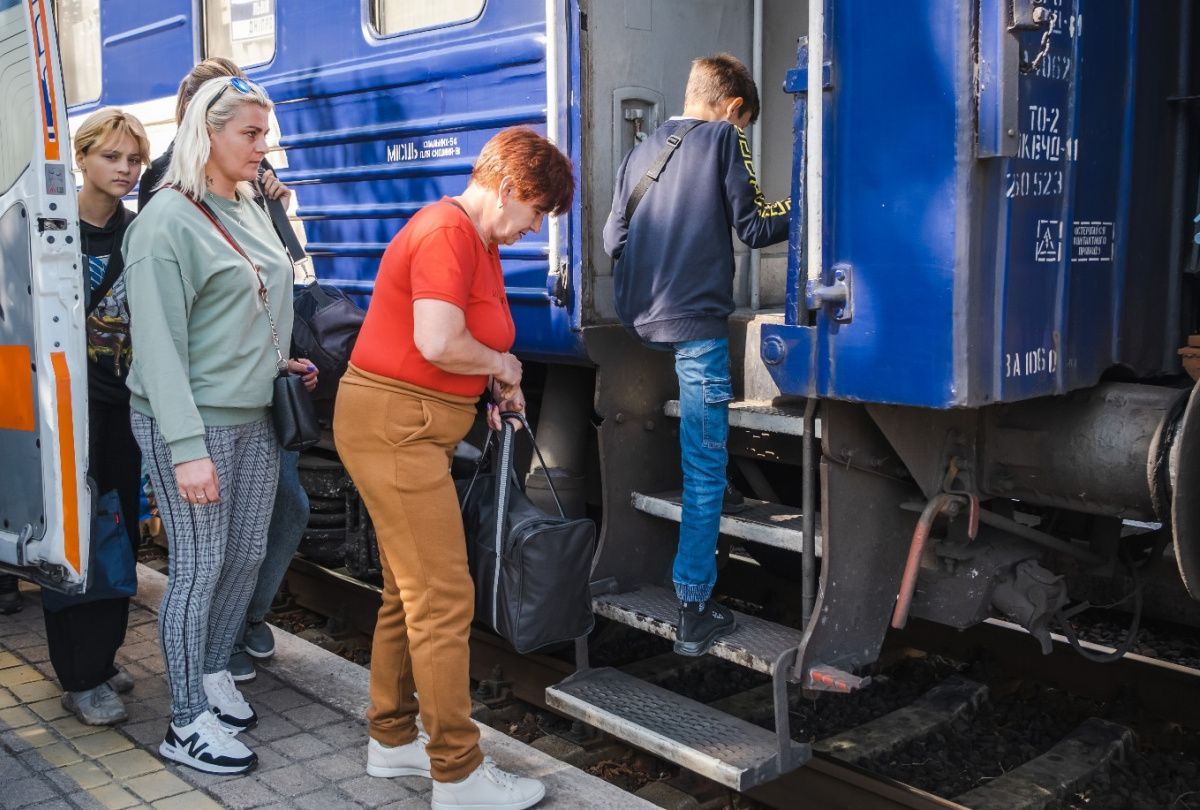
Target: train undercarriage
[(1026, 512)]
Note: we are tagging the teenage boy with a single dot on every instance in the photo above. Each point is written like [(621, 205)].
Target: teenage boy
[(673, 276)]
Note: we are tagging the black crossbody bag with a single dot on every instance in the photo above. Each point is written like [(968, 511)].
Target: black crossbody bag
[(296, 424), (656, 168)]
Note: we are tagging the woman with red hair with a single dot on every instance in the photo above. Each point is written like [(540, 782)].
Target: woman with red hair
[(437, 335)]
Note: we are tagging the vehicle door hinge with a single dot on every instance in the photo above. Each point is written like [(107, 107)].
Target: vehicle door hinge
[(836, 299)]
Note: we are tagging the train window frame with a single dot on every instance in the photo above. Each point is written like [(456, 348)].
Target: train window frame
[(71, 67), (208, 9), (370, 16)]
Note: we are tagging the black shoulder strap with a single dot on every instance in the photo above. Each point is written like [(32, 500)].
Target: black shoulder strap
[(283, 228), (279, 219), (656, 167), (116, 262)]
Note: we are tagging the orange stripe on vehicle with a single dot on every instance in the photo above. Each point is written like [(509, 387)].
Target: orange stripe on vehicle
[(16, 381), (45, 72), (66, 458)]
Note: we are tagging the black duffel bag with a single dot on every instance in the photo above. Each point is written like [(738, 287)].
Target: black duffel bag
[(531, 570)]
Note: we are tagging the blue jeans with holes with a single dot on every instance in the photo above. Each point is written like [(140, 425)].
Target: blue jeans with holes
[(705, 390)]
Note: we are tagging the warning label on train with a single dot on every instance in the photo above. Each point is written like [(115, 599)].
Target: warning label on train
[(1092, 242), (1049, 241)]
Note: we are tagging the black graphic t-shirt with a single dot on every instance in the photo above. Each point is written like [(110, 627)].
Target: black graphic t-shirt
[(108, 346)]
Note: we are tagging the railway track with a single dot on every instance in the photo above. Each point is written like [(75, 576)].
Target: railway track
[(844, 771)]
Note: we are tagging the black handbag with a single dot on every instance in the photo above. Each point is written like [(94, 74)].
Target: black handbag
[(296, 424), (293, 412), (531, 569), (112, 570)]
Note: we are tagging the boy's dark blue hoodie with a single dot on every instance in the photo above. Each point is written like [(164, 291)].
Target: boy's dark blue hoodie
[(674, 262)]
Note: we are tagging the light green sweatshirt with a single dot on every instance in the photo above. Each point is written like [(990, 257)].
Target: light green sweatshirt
[(202, 348)]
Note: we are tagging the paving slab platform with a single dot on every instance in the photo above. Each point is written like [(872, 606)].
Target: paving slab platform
[(311, 738)]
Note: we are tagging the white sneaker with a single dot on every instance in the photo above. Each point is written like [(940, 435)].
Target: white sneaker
[(205, 745), (488, 788), (227, 703), (402, 760)]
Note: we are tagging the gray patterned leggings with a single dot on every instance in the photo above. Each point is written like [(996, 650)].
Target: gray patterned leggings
[(215, 551)]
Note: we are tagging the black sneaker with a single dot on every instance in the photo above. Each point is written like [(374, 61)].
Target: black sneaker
[(11, 600), (701, 624), (732, 501)]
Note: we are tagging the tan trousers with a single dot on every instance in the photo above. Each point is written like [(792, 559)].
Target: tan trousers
[(397, 441)]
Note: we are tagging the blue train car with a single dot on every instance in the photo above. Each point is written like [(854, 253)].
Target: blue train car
[(992, 214), (381, 109), (956, 383)]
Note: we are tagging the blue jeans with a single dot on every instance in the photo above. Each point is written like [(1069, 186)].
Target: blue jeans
[(289, 518), (705, 390)]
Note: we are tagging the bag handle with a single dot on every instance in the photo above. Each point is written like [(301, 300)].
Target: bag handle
[(520, 417), (279, 221), (506, 466)]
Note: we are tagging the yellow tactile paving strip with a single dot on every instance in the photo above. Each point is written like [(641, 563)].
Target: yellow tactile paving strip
[(101, 760)]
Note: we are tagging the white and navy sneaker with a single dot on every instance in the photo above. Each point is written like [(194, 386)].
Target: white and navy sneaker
[(228, 705), (205, 745)]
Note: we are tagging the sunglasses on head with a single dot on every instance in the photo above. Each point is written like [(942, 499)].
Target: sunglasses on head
[(237, 83)]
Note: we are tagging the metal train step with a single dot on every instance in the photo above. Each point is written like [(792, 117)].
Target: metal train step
[(772, 524), (709, 742), (760, 416), (756, 643)]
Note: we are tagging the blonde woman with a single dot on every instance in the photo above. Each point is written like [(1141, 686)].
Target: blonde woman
[(210, 288), (110, 150)]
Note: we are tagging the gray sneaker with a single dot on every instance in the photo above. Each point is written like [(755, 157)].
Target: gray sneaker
[(241, 667), (258, 640), (100, 706), (122, 682)]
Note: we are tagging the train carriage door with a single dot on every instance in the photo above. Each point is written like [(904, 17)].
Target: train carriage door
[(45, 505)]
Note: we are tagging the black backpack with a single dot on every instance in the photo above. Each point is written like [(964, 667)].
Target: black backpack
[(325, 331)]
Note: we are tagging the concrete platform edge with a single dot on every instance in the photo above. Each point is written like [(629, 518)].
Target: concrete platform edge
[(314, 670)]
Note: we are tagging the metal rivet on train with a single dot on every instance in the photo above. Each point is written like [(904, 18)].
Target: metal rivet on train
[(773, 350), (53, 206), (50, 239)]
